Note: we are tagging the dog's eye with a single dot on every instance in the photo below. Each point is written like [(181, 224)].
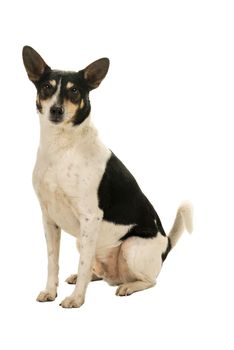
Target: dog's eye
[(47, 86), (74, 90)]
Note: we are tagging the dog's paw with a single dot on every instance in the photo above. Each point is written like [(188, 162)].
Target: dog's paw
[(71, 279), (124, 290), (71, 302), (46, 296)]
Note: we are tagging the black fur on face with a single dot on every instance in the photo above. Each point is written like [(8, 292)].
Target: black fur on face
[(73, 95), (63, 95)]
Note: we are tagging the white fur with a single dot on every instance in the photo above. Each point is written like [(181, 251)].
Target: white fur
[(183, 220), (144, 260), (70, 165)]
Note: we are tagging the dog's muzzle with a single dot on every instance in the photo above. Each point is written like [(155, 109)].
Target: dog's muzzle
[(56, 113)]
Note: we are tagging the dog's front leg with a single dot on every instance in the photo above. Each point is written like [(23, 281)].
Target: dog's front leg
[(89, 229), (52, 234)]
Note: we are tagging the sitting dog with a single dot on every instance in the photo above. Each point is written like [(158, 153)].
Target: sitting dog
[(85, 190)]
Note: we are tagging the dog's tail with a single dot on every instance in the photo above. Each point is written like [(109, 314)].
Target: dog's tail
[(183, 220)]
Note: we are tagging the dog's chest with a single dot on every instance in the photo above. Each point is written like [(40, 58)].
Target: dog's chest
[(64, 179)]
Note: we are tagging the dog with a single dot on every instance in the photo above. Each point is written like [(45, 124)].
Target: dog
[(85, 190)]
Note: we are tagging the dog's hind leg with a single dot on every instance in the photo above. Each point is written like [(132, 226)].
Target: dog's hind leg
[(140, 259), (132, 287), (140, 262)]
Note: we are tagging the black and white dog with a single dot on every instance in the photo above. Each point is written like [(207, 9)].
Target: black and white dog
[(85, 190)]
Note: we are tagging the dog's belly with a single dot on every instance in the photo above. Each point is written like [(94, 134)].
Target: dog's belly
[(107, 252)]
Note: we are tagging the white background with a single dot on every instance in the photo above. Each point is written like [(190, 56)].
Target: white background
[(166, 110)]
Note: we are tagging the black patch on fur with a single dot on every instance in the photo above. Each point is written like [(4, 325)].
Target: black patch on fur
[(123, 202), (82, 113), (164, 255)]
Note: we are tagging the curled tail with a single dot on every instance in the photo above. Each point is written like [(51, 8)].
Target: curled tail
[(183, 220)]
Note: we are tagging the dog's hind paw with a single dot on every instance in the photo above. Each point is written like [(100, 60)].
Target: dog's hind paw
[(124, 290), (71, 279), (132, 287), (46, 296)]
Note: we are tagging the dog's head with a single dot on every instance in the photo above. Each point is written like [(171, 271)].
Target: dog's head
[(63, 97)]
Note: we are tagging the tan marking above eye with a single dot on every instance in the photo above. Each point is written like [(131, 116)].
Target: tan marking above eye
[(52, 82), (69, 85)]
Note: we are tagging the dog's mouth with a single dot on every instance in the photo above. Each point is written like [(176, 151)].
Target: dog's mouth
[(56, 119)]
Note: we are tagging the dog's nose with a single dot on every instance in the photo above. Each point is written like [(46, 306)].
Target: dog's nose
[(57, 111)]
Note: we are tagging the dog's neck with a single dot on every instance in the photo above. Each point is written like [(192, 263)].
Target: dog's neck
[(55, 139)]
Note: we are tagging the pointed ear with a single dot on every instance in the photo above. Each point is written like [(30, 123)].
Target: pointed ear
[(34, 64), (96, 72)]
